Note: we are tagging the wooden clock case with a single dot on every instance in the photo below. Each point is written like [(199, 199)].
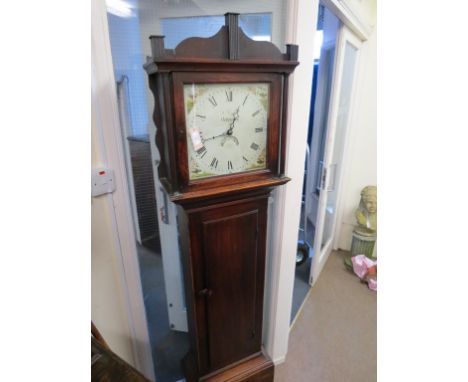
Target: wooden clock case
[(222, 219)]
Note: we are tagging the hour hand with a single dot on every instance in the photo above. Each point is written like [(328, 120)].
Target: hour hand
[(216, 136), (235, 117)]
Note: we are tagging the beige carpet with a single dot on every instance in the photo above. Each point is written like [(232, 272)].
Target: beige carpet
[(334, 338)]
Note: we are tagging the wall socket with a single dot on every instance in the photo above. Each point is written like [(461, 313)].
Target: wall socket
[(102, 181)]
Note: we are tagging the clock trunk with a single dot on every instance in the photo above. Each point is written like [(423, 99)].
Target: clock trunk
[(224, 275)]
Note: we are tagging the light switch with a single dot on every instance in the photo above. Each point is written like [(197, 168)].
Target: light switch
[(102, 181)]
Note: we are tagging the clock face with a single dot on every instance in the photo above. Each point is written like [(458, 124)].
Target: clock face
[(226, 128)]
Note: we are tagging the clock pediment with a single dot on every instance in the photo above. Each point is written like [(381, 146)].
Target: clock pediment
[(229, 43)]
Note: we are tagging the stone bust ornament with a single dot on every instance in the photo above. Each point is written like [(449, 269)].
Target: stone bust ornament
[(366, 214)]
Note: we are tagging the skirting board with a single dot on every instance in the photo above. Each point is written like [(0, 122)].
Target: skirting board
[(279, 360)]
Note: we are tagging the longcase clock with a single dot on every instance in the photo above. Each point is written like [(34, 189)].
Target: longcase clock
[(220, 112)]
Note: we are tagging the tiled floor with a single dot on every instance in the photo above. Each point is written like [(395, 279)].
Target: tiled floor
[(301, 287), (334, 338), (168, 346), (301, 279)]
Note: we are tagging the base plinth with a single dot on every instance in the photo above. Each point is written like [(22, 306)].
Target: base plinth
[(258, 368)]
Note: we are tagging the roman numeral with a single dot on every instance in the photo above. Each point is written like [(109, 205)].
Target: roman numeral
[(229, 95), (254, 146), (244, 158), (214, 162), (213, 101), (230, 165), (245, 99), (201, 151), (201, 116), (258, 129), (254, 114)]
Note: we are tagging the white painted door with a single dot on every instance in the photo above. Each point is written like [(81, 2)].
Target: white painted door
[(346, 58)]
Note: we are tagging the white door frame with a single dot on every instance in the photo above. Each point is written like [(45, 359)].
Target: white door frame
[(349, 17), (283, 241), (282, 244), (108, 125), (352, 38)]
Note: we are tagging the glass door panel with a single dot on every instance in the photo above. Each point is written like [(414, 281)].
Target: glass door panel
[(335, 167), (332, 169)]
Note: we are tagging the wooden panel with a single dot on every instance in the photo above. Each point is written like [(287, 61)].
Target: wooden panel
[(225, 254), (254, 369), (222, 191), (230, 245), (213, 47)]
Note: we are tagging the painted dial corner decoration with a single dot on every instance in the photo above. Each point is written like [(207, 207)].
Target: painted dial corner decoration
[(226, 128)]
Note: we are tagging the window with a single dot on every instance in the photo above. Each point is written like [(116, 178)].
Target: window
[(256, 25)]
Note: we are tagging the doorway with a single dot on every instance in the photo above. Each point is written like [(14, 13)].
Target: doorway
[(335, 65)]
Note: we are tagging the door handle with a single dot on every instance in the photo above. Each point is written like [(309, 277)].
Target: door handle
[(325, 183), (205, 292)]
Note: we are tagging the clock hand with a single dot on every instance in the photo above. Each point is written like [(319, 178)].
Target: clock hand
[(235, 116), (228, 134), (216, 136), (231, 126)]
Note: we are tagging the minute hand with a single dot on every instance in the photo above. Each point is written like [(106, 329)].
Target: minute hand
[(216, 136)]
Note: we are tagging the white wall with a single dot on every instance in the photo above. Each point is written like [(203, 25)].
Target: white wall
[(365, 10), (361, 161), (107, 302)]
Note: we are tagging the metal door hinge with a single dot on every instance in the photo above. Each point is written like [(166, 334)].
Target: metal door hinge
[(323, 181)]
